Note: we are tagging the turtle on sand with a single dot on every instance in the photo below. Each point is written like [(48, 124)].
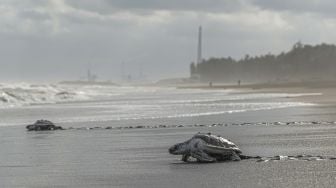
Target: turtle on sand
[(206, 147), (43, 125)]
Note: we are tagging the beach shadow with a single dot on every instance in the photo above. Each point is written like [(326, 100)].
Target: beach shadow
[(182, 163)]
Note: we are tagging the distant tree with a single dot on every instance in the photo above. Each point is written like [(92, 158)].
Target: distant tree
[(192, 68), (301, 63), (297, 45)]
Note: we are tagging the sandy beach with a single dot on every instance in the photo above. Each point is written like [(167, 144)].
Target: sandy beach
[(106, 93), (138, 157)]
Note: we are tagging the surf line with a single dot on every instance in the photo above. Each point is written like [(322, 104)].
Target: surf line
[(45, 125), (303, 123)]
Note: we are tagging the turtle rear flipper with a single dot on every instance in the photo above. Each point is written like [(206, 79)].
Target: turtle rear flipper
[(235, 157), (242, 157), (203, 157), (217, 149)]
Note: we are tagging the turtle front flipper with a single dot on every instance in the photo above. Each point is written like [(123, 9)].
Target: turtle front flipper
[(185, 157), (202, 157)]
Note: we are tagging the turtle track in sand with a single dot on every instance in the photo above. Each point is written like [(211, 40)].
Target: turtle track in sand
[(292, 123), (296, 158)]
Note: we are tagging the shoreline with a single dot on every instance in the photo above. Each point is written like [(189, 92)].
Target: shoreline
[(321, 98), (327, 90), (261, 86)]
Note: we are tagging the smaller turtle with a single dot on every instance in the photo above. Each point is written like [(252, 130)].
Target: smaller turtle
[(207, 148), (43, 125)]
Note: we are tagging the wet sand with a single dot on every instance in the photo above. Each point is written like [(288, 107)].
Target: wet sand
[(139, 158)]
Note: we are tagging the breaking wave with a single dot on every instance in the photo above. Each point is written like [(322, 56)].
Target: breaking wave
[(13, 95), (92, 103), (24, 94)]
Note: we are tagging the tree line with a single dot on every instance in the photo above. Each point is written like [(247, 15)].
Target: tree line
[(302, 63)]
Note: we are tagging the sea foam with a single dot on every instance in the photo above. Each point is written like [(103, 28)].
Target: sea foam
[(21, 94)]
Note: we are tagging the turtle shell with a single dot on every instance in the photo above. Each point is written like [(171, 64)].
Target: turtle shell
[(217, 141)]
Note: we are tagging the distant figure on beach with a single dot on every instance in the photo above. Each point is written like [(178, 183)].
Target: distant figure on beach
[(239, 82), (210, 84)]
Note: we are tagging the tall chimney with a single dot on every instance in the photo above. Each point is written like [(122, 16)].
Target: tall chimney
[(199, 47)]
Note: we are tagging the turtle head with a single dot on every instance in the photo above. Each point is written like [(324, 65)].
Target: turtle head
[(178, 149)]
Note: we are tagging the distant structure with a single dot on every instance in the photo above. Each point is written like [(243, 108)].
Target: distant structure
[(199, 46), (304, 63), (90, 77), (123, 77), (194, 75)]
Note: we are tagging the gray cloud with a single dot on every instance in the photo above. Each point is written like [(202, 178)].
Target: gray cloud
[(57, 39), (145, 6), (298, 6)]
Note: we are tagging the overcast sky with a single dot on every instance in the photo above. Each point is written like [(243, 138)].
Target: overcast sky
[(58, 39)]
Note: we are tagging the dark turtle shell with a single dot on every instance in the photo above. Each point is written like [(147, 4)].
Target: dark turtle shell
[(43, 125), (217, 141)]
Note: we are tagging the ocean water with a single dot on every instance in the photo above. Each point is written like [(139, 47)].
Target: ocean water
[(139, 157), (24, 103)]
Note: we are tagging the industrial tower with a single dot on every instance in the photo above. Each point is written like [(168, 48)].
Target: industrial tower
[(199, 47)]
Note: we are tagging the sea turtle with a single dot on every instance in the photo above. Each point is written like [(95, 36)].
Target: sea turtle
[(43, 125), (206, 147)]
